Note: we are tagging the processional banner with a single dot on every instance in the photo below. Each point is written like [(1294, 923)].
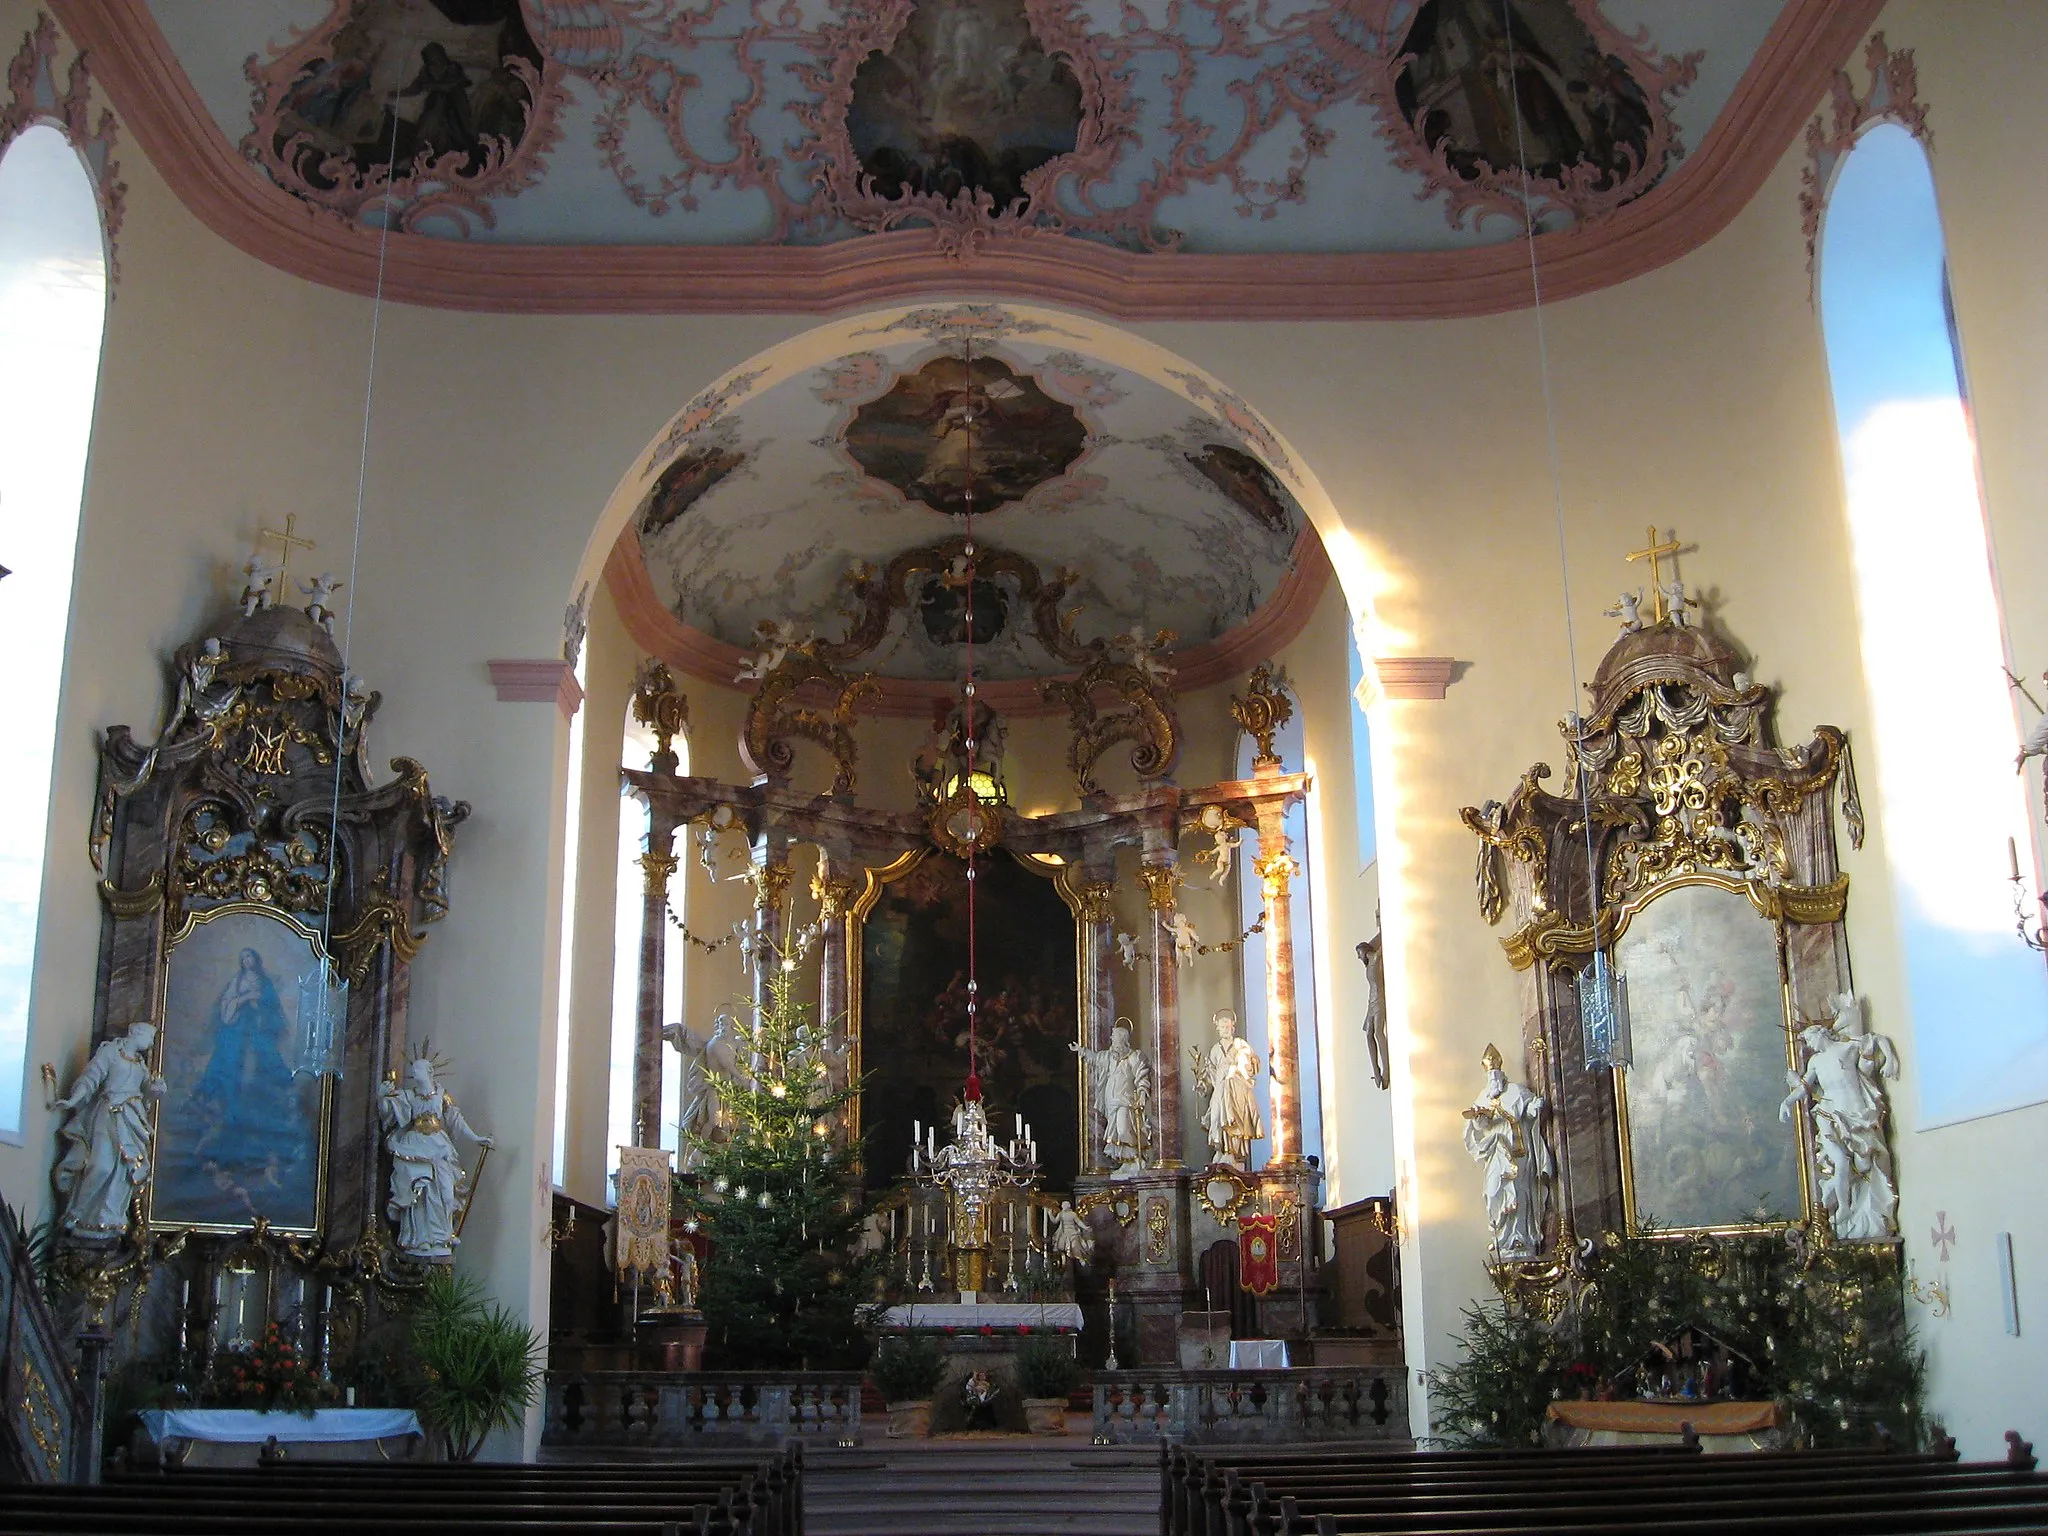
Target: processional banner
[(1258, 1254), (642, 1240)]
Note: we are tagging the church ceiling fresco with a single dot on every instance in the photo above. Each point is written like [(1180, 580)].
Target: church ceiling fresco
[(1167, 515), (1219, 126)]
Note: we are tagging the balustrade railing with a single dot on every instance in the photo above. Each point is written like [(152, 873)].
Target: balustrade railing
[(704, 1409), (1337, 1402)]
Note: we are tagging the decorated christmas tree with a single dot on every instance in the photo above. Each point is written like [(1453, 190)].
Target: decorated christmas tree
[(779, 1196)]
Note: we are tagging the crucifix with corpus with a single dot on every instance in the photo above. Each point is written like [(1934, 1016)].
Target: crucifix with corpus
[(1662, 549)]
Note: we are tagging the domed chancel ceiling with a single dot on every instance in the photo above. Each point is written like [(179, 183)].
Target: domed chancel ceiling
[(1301, 156), (1156, 514)]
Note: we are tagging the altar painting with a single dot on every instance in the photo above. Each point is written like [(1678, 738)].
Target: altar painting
[(913, 1010), (241, 1130), (1704, 1143)]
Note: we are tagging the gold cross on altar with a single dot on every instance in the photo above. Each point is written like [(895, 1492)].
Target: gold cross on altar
[(1657, 551), (289, 540)]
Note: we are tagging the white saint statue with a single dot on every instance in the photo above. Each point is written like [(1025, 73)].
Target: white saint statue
[(1842, 1085), (1504, 1134), (1122, 1084), (1226, 1074), (427, 1180), (698, 1108), (1071, 1238), (106, 1162)]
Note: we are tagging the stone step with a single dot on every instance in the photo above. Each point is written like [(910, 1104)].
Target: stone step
[(1019, 1488)]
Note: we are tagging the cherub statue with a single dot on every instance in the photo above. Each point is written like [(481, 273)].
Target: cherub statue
[(320, 589), (1071, 1239), (1680, 605), (356, 698), (257, 575), (721, 820), (1841, 1081), (1627, 608), (1222, 830), (1186, 942), (1127, 950), (774, 639), (105, 1163), (1143, 652)]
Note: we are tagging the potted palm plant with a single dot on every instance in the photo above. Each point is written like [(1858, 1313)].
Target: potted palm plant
[(1047, 1373), (907, 1372), (475, 1366)]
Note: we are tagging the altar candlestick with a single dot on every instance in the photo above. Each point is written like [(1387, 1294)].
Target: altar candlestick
[(2012, 851)]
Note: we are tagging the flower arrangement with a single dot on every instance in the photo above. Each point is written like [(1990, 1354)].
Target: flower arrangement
[(271, 1376)]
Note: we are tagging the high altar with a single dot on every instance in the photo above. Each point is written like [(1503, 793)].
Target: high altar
[(1162, 1217)]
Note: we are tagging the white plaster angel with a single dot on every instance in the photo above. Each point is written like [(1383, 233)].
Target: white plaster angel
[(1071, 1239), (720, 820), (1186, 942), (774, 639), (1121, 1081), (320, 589), (427, 1180), (1226, 1074), (1629, 609), (1127, 950), (1504, 1135), (1841, 1081), (1222, 831), (257, 575), (1682, 607), (105, 1163), (1143, 652)]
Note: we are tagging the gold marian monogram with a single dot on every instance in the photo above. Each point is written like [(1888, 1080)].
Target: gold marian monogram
[(263, 750)]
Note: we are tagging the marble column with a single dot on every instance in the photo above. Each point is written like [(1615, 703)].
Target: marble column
[(1162, 878), (1277, 869), (1097, 920), (771, 876), (658, 867)]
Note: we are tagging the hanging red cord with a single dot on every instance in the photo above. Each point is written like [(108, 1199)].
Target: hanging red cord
[(967, 739)]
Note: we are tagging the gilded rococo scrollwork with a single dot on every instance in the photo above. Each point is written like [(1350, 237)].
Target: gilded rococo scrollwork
[(786, 667)]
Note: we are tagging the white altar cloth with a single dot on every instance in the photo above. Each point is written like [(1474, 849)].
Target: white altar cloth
[(245, 1426), (1258, 1354), (1007, 1315)]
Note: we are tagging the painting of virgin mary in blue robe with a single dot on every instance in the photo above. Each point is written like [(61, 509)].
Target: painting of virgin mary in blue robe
[(240, 1125)]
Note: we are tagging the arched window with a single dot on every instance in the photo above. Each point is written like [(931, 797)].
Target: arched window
[(53, 304), (1289, 743), (1933, 638)]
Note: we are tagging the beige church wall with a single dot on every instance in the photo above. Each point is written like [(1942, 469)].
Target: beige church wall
[(1693, 397), (1978, 77)]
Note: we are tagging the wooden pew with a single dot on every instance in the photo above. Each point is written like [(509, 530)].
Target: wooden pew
[(1269, 1491), (708, 1497)]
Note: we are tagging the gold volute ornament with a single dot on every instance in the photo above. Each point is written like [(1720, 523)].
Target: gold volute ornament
[(774, 718), (1276, 868), (771, 885), (662, 708), (1144, 716), (1262, 710)]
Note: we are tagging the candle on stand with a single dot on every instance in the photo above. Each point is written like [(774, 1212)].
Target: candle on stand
[(2012, 852)]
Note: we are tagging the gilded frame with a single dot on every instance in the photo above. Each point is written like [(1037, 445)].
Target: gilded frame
[(874, 879), (1788, 1024), (191, 922)]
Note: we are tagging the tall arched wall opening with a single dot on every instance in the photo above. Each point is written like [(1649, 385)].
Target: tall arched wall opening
[(1694, 397)]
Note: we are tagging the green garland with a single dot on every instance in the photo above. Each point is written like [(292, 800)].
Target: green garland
[(1825, 1329)]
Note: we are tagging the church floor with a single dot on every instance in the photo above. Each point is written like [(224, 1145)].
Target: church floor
[(982, 1486)]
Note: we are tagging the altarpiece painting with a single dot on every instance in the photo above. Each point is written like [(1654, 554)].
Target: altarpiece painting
[(913, 944)]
